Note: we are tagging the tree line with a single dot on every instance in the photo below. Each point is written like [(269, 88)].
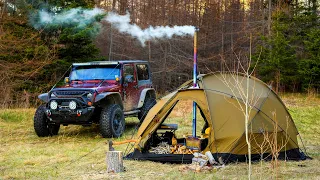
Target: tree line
[(283, 37)]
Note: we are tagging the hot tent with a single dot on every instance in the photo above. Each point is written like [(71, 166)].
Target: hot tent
[(220, 99)]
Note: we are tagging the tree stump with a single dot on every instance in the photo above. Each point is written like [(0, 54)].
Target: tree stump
[(114, 161)]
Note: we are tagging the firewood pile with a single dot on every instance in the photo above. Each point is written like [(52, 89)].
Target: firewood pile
[(162, 148), (165, 148), (181, 149)]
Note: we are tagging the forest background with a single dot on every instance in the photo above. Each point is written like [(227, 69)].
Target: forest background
[(283, 36)]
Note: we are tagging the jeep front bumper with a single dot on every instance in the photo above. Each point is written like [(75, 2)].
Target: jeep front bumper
[(64, 115)]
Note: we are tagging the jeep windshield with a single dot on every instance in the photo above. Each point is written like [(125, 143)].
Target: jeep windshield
[(95, 72)]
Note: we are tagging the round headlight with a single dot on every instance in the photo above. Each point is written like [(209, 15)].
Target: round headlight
[(89, 95), (72, 105), (53, 105)]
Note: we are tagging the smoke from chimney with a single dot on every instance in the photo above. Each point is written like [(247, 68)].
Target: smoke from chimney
[(83, 17), (77, 16), (122, 23)]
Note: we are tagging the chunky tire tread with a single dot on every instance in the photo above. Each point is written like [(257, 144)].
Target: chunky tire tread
[(41, 122), (41, 126), (147, 105), (106, 121)]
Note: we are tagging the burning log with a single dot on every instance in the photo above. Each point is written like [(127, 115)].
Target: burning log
[(181, 149)]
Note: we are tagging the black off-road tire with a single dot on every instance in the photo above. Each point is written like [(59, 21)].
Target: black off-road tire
[(111, 122), (147, 105), (54, 129), (41, 124)]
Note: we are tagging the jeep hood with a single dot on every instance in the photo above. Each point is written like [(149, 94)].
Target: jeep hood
[(92, 84)]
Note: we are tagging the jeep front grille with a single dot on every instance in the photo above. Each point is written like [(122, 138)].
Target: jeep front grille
[(70, 93)]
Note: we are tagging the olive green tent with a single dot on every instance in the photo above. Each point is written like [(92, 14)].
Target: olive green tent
[(221, 99)]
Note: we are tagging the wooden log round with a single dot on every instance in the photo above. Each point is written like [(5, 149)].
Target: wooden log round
[(114, 161)]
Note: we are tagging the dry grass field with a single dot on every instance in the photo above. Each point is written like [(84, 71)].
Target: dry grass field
[(79, 152)]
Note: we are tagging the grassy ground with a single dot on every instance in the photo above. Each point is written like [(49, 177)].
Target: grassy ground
[(79, 152)]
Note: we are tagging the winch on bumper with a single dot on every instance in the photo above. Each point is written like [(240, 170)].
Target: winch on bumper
[(69, 111)]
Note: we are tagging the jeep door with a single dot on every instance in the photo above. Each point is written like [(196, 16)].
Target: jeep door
[(130, 88)]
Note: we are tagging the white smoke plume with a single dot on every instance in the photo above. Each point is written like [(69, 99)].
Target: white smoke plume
[(83, 17), (77, 16), (122, 23)]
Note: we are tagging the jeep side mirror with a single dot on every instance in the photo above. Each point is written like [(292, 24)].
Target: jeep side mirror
[(128, 78), (66, 80)]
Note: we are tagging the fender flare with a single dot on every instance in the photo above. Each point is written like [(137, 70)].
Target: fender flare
[(143, 96), (105, 95), (44, 97)]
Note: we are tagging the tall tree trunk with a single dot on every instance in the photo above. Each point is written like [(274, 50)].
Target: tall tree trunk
[(123, 6), (110, 47), (114, 4), (277, 81), (269, 17), (164, 68), (3, 9), (149, 49)]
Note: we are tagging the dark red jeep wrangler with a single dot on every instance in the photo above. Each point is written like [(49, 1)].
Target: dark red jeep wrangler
[(98, 92)]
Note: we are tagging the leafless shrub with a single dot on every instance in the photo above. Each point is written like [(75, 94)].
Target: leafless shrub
[(270, 146)]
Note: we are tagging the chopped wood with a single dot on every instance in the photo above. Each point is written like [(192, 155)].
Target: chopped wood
[(114, 161)]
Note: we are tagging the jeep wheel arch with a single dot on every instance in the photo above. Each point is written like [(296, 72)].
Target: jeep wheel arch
[(148, 92), (107, 98), (148, 104)]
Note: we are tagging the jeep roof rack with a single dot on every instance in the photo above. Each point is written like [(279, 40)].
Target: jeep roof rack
[(108, 62)]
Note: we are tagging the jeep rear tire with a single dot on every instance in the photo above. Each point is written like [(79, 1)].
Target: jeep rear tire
[(147, 105), (41, 124), (112, 122)]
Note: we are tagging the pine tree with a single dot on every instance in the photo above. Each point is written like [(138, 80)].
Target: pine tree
[(278, 63)]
